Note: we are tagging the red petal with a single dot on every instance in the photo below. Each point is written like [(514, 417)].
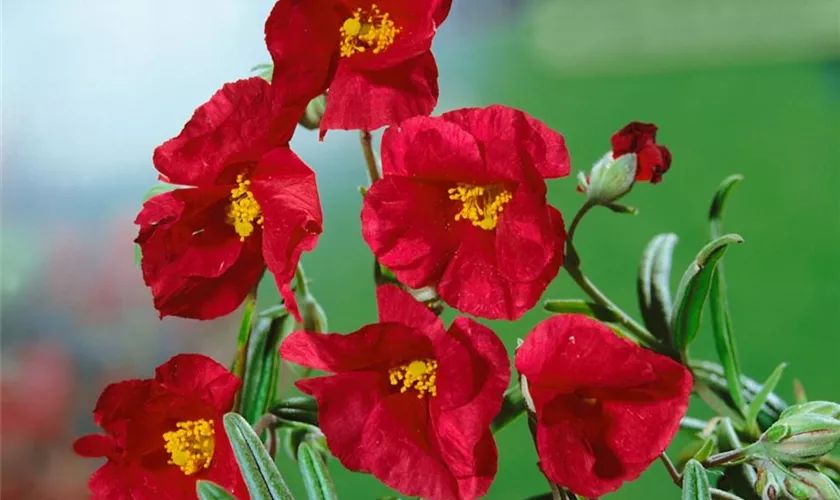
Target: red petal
[(345, 403), (525, 240), (199, 376), (285, 189), (415, 467), (473, 373), (639, 398), (370, 100), (632, 138), (474, 284), (192, 259), (508, 137), (303, 39), (376, 347), (409, 226), (236, 125), (398, 306), (121, 401), (432, 149), (95, 446), (442, 11), (116, 482)]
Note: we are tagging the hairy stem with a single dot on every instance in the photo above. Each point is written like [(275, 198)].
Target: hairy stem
[(370, 156)]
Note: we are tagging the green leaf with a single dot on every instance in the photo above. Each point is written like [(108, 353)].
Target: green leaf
[(259, 383), (718, 203), (712, 374), (513, 406), (576, 306), (316, 477), (719, 302), (208, 490), (717, 404), (261, 475), (265, 71), (761, 398), (706, 449), (694, 289), (695, 483), (653, 287)]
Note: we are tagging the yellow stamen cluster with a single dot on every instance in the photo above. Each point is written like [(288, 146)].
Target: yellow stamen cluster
[(419, 375), (481, 204), (191, 446), (367, 30), (244, 211)]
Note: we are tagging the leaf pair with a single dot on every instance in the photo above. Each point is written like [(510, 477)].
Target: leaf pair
[(260, 473)]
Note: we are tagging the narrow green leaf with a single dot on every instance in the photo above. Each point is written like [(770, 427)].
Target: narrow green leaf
[(262, 66), (695, 483), (264, 71), (513, 406), (717, 404), (706, 449), (719, 301), (208, 490), (694, 289), (718, 203), (576, 306), (261, 475), (653, 286), (316, 477), (712, 374), (259, 383), (760, 398)]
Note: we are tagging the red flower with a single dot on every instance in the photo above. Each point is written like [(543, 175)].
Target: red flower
[(410, 402), (373, 55), (254, 204), (163, 434), (605, 407), (462, 207), (653, 160)]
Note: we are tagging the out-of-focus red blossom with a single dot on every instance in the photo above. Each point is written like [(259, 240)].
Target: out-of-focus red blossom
[(410, 402), (605, 407), (253, 204), (373, 57), (36, 395), (163, 434), (652, 159), (462, 207)]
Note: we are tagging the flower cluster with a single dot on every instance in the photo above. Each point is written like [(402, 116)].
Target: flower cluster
[(460, 209)]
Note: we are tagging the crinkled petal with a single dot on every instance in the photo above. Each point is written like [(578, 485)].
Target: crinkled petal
[(197, 375), (345, 403), (376, 346), (474, 284), (285, 188), (303, 39), (95, 446), (398, 306), (121, 401), (511, 140), (473, 374), (410, 227), (525, 240), (432, 149), (237, 125), (370, 100)]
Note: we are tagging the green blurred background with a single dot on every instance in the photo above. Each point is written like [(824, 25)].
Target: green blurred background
[(736, 87)]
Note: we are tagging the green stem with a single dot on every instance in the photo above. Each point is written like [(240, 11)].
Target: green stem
[(572, 264), (370, 157), (243, 340), (300, 280)]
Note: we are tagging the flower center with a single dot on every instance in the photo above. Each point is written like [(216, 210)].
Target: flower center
[(367, 29), (191, 446), (481, 205), (419, 375), (244, 209)]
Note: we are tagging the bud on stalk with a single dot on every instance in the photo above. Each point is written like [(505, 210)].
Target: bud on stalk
[(610, 178), (803, 433)]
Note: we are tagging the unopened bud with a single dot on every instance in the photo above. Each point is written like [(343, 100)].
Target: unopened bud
[(611, 178), (314, 317), (826, 408), (311, 119), (800, 438), (806, 483)]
